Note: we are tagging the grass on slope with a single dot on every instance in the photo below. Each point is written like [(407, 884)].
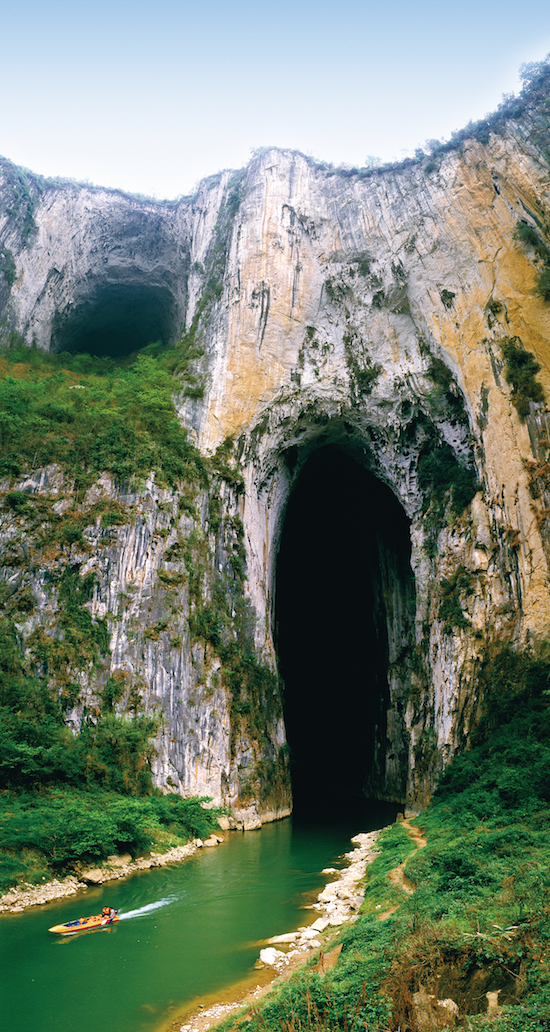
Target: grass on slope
[(92, 415)]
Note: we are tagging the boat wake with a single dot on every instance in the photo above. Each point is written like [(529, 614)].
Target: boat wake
[(148, 909)]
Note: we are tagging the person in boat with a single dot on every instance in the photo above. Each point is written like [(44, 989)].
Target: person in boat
[(108, 914)]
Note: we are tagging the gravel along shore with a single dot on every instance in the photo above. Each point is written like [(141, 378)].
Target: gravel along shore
[(338, 902)]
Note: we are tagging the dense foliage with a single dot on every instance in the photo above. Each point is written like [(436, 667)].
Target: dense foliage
[(77, 797), (58, 830), (36, 746), (446, 480), (88, 416), (59, 787), (92, 415), (533, 239)]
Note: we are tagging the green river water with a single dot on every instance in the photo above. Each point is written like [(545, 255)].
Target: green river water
[(186, 931)]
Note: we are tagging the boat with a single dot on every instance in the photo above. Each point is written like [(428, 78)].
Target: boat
[(108, 916)]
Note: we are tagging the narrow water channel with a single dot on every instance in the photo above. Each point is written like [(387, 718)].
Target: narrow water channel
[(186, 931)]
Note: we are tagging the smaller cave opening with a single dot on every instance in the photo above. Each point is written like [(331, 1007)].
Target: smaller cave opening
[(114, 320), (344, 607)]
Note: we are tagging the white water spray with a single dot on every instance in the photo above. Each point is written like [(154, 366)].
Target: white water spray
[(147, 910)]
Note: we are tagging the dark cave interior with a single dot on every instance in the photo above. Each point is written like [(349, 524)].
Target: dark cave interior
[(345, 536), (115, 320)]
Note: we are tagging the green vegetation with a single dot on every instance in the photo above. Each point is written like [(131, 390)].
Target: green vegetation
[(76, 797), (216, 258), (520, 371), (223, 620), (37, 748), (363, 375), (380, 893), (67, 797), (447, 397), (533, 98), (25, 188), (22, 180), (447, 298), (446, 481), (542, 281), (440, 374), (529, 236), (80, 639), (7, 266), (450, 609), (494, 308), (91, 416), (479, 920), (87, 416), (64, 829)]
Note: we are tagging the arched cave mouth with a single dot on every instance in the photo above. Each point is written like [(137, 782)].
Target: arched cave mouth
[(343, 576), (115, 320)]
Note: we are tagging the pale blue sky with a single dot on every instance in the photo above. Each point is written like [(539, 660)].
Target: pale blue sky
[(151, 97)]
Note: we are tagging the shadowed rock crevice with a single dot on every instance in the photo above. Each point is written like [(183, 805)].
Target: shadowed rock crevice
[(345, 593), (115, 319)]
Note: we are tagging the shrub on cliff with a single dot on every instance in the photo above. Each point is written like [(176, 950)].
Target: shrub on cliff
[(532, 239), (445, 480), (520, 371), (542, 280)]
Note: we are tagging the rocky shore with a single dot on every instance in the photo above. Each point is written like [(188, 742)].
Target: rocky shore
[(115, 867), (338, 903)]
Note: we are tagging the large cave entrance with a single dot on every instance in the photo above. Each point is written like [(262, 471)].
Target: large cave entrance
[(116, 319), (344, 623)]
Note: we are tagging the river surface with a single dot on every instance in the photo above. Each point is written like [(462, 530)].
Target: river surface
[(186, 931)]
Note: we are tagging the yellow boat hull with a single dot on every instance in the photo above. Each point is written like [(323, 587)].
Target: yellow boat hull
[(83, 924)]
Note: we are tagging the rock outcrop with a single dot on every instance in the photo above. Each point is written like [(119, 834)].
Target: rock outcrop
[(367, 312)]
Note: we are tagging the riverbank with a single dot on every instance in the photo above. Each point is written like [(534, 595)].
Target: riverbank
[(281, 955), (454, 926), (23, 897), (62, 832), (453, 930), (187, 931)]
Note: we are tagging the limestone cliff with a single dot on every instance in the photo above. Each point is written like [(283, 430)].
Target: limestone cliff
[(362, 310)]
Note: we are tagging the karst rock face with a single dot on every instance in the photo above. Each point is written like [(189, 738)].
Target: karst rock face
[(363, 313)]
